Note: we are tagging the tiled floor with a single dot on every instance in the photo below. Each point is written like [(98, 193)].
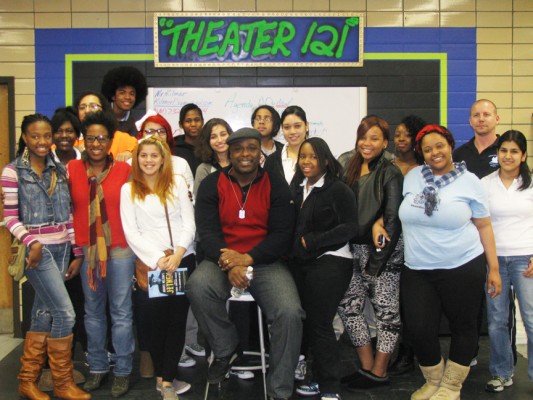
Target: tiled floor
[(7, 344), (234, 389)]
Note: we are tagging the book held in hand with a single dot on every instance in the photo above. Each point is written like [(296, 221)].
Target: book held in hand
[(162, 283)]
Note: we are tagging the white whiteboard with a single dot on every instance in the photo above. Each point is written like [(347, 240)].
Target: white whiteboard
[(333, 113)]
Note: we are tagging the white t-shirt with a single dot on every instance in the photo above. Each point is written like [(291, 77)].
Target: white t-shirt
[(511, 213), (447, 239)]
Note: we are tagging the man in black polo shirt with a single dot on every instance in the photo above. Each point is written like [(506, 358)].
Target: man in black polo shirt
[(481, 157), (480, 153)]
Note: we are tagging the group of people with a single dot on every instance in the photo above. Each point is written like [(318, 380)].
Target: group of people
[(412, 234)]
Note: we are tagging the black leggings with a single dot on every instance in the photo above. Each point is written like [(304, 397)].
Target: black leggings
[(458, 293)]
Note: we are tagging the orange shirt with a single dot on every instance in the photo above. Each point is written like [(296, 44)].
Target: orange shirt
[(122, 142)]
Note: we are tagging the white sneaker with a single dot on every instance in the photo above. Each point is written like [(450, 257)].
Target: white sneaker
[(330, 396), (310, 389), (180, 387), (186, 361), (497, 384), (195, 349), (301, 369), (244, 375)]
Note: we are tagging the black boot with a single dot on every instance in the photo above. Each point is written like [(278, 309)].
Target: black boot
[(404, 361)]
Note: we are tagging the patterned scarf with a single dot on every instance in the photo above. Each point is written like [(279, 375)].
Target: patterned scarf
[(99, 230), (431, 190)]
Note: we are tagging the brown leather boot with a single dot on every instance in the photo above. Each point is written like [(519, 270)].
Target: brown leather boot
[(32, 361), (60, 360)]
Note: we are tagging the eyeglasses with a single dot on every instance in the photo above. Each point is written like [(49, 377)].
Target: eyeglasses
[(161, 132), (263, 119), (89, 107), (101, 139), (68, 131)]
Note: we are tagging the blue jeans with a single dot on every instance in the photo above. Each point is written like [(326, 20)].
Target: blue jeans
[(501, 356), (274, 290), (52, 309), (115, 288)]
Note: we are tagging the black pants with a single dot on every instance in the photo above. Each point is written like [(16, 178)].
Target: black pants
[(168, 318), (321, 284), (141, 317), (458, 293)]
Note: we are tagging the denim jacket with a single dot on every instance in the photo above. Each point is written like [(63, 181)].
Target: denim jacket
[(36, 207)]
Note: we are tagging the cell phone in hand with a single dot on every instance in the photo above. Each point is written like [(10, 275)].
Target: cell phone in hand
[(382, 240)]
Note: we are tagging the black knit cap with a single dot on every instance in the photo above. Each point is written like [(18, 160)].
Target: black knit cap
[(243, 133)]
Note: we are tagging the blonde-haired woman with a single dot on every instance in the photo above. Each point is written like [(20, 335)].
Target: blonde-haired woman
[(157, 215)]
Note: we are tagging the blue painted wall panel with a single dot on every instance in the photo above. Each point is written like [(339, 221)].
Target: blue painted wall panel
[(459, 116), (459, 43)]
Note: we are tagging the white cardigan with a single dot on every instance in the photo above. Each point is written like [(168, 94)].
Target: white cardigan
[(145, 225)]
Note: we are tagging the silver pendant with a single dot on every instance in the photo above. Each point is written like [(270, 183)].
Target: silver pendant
[(242, 214)]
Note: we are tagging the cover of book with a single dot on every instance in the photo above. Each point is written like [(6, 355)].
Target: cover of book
[(161, 283)]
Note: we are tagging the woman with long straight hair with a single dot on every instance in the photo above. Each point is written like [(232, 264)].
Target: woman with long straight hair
[(511, 210), (295, 128), (152, 126), (405, 158), (157, 215), (377, 185), (37, 211), (211, 149)]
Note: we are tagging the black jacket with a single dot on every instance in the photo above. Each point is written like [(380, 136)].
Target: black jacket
[(273, 163), (327, 219), (379, 194), (185, 150)]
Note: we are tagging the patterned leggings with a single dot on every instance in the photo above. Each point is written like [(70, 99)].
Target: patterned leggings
[(384, 294)]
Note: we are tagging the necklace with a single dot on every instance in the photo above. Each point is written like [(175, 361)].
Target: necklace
[(242, 212)]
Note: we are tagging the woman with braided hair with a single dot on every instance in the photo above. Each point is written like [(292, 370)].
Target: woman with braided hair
[(37, 211)]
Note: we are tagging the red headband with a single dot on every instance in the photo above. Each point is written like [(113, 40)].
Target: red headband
[(441, 130)]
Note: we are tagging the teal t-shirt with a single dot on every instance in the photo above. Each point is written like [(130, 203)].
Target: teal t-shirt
[(448, 238)]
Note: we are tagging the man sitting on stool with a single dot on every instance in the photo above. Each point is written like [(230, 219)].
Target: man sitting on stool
[(245, 216)]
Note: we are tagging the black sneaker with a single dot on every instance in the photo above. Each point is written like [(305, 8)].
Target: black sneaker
[(367, 381), (219, 368), (405, 362), (349, 378)]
